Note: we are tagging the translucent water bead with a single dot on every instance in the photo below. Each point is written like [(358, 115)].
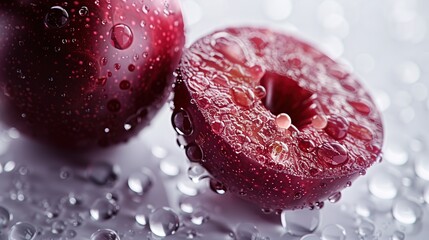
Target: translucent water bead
[(22, 231), (406, 211), (334, 232), (163, 222), (300, 222)]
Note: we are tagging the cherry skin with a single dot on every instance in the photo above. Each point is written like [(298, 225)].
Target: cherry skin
[(86, 73), (273, 119)]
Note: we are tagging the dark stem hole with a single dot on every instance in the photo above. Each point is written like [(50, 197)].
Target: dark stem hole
[(284, 95)]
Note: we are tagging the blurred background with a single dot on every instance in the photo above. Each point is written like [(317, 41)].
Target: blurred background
[(385, 42)]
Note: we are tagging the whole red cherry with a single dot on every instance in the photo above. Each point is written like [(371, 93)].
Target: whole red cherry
[(85, 73)]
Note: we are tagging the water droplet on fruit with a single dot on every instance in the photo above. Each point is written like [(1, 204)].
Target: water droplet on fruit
[(140, 182), (335, 197), (83, 11), (163, 222), (182, 122), (217, 187), (104, 209), (246, 231), (307, 145), (121, 36), (278, 151), (124, 85), (334, 232), (383, 185), (300, 222), (406, 211), (103, 173), (231, 47), (131, 67), (194, 152), (217, 126), (57, 17), (243, 96), (334, 154), (337, 127), (361, 107), (319, 122), (5, 217), (283, 121), (260, 92), (105, 234), (197, 173), (360, 132), (117, 66), (22, 231)]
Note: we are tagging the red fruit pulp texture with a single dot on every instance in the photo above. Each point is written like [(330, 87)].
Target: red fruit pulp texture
[(86, 73), (232, 90)]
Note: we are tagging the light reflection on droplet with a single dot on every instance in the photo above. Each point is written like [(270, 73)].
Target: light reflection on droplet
[(169, 167), (334, 232), (421, 167), (383, 185), (406, 211), (163, 222), (300, 222)]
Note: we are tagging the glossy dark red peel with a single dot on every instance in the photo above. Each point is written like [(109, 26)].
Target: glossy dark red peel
[(273, 119), (86, 73)]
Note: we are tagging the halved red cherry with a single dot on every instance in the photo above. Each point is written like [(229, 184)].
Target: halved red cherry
[(273, 119), (87, 73)]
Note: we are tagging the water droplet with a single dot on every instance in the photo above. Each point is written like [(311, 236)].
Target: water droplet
[(140, 182), (396, 155), (231, 47), (283, 121), (124, 85), (310, 237), (103, 173), (163, 222), (334, 232), (121, 36), (337, 127), (278, 151), (131, 67), (5, 217), (242, 96), (182, 122), (58, 227), (187, 187), (426, 195), (142, 215), (361, 107), (397, 235), (169, 167), (196, 173), (319, 122), (421, 166), (406, 211), (247, 231), (366, 228), (83, 11), (217, 126), (105, 234), (194, 152), (22, 231), (57, 17), (217, 187), (335, 197), (307, 145), (300, 222), (104, 209), (334, 154), (383, 185), (199, 217), (260, 92), (114, 105), (361, 132)]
